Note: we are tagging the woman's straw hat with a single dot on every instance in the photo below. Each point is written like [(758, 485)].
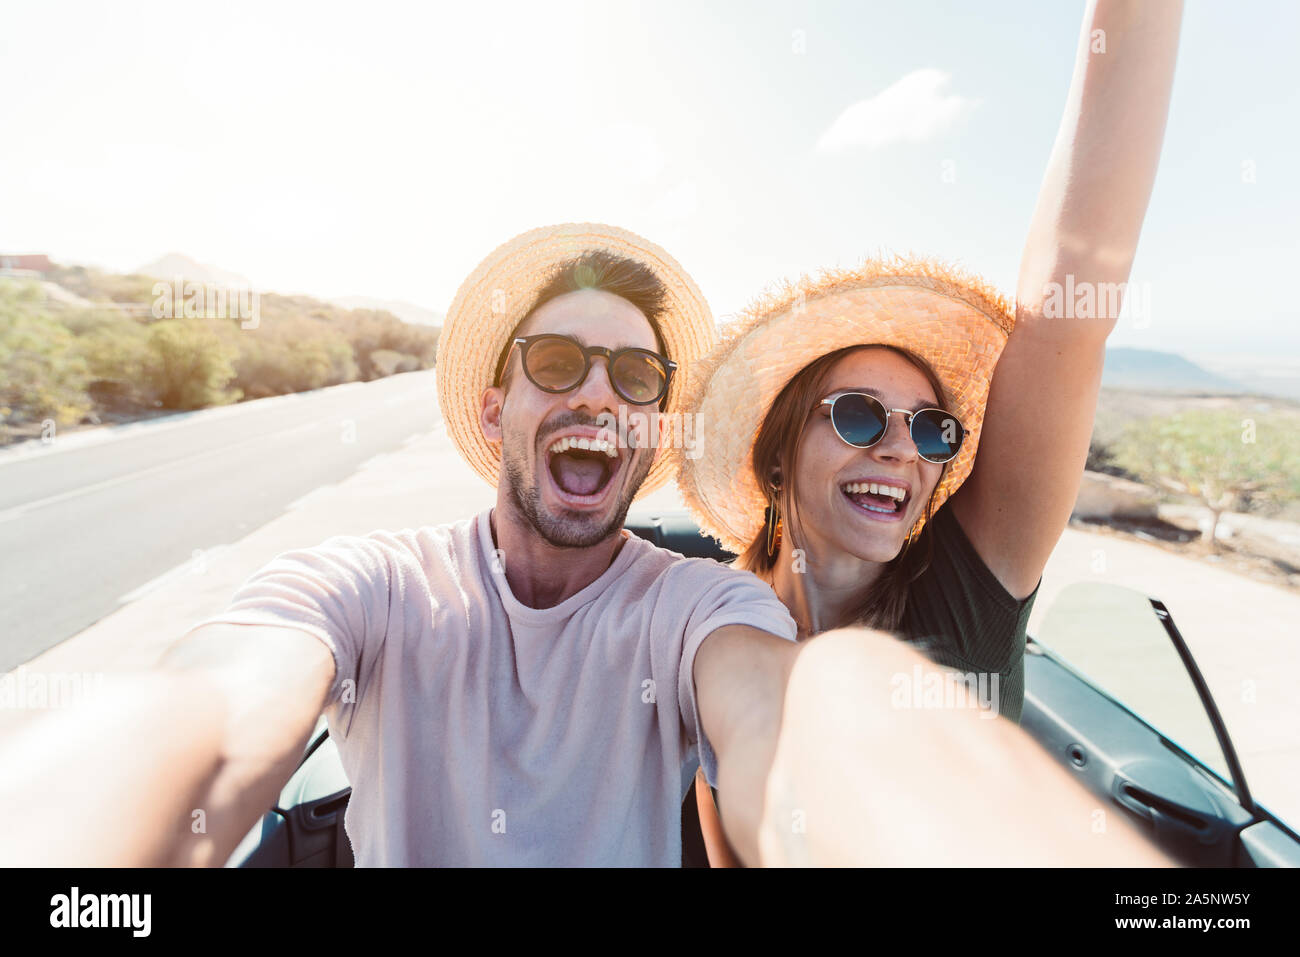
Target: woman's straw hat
[(956, 322), (501, 291)]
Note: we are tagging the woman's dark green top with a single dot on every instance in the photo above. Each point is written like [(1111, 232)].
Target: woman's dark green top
[(965, 618)]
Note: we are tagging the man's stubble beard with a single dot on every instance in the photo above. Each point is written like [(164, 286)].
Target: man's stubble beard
[(578, 532)]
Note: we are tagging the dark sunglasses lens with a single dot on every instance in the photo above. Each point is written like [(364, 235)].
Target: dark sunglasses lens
[(640, 377), (859, 419), (555, 363), (938, 436)]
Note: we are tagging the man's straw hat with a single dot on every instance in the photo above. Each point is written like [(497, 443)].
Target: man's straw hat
[(956, 322), (502, 290)]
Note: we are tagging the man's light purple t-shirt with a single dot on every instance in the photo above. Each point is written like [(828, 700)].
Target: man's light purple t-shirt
[(478, 731)]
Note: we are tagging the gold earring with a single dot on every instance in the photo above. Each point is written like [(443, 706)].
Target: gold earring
[(773, 522)]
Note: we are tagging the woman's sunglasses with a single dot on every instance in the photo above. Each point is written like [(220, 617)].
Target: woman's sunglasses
[(556, 363), (861, 420)]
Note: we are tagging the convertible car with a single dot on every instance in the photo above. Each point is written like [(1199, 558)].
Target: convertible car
[(1111, 691)]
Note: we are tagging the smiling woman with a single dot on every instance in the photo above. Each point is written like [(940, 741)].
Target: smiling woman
[(841, 421), (865, 393), (956, 563)]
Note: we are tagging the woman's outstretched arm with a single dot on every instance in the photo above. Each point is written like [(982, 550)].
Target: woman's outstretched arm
[(1080, 247), (715, 838), (818, 765)]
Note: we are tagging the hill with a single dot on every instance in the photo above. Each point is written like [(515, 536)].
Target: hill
[(1150, 371), (406, 311), (177, 264)]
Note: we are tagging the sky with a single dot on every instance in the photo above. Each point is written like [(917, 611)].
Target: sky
[(383, 149)]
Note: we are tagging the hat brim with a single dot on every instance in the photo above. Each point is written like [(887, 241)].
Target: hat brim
[(956, 322), (502, 290)]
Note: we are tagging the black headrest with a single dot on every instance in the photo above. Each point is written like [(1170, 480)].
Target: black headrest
[(675, 530)]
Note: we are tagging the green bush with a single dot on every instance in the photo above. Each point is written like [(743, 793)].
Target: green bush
[(42, 375), (371, 331), (386, 362), (60, 361), (289, 354), (1230, 461), (100, 286), (117, 354), (189, 366)]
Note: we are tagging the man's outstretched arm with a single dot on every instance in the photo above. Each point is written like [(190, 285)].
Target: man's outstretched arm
[(217, 727), (273, 683), (816, 766)]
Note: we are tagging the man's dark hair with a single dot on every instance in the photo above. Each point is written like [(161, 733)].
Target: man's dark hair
[(598, 269)]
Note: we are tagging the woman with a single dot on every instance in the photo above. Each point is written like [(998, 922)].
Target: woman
[(844, 412)]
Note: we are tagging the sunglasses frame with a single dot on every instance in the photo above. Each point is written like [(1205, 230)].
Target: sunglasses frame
[(525, 343), (908, 416)]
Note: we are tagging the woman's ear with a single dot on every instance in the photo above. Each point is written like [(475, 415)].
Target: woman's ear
[(489, 416)]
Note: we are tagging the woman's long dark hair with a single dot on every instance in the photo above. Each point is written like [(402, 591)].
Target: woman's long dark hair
[(776, 449)]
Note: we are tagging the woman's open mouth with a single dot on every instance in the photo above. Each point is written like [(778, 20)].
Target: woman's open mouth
[(582, 469), (882, 501)]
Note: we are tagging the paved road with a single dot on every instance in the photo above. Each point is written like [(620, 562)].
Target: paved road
[(87, 524)]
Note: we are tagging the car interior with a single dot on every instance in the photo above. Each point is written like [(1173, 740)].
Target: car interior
[(1111, 691)]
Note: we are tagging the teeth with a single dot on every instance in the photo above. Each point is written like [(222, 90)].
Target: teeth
[(875, 488), (591, 445)]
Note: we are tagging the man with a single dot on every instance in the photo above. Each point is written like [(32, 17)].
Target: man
[(515, 688), (529, 685)]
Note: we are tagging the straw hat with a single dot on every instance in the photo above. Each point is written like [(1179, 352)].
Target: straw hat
[(956, 322), (501, 291)]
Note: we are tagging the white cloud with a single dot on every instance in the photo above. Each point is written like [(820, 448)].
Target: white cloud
[(913, 109)]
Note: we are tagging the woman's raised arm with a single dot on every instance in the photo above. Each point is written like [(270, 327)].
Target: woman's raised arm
[(1080, 247)]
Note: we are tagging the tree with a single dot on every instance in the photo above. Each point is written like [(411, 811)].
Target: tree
[(42, 375), (190, 367), (1229, 461)]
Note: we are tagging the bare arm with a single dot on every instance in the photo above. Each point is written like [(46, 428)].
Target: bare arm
[(715, 839), (816, 766), (1084, 234), (273, 682), (180, 760), (112, 781), (740, 678)]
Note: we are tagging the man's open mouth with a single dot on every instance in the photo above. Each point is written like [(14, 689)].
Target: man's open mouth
[(877, 498), (582, 468)]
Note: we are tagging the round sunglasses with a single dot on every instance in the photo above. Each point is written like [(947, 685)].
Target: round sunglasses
[(861, 420), (556, 363)]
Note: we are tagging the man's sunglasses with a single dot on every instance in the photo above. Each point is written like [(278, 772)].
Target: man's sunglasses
[(556, 363), (861, 420)]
